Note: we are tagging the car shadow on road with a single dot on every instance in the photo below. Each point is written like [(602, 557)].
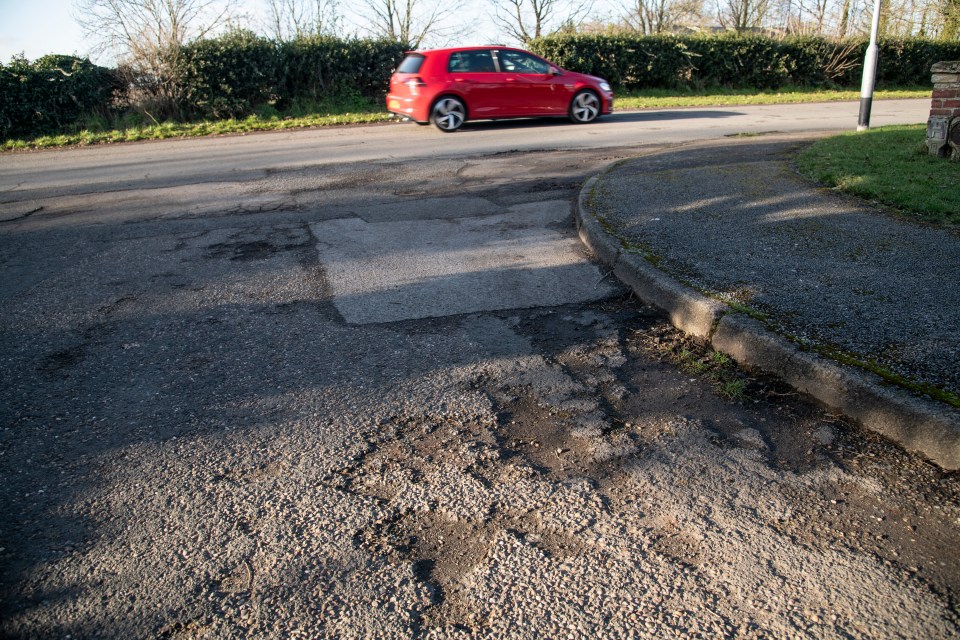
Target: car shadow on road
[(618, 116), (673, 114)]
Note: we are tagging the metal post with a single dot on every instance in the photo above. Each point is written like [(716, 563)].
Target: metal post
[(869, 71)]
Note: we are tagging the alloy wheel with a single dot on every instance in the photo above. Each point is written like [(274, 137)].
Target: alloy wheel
[(449, 114), (585, 107)]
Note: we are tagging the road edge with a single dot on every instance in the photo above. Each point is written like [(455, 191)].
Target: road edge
[(925, 427)]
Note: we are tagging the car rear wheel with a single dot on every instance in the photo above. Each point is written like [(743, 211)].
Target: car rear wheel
[(448, 114), (585, 107)]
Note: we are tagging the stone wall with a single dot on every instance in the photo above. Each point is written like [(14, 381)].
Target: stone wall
[(943, 127)]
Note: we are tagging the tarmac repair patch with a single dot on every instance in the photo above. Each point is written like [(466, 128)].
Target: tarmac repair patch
[(523, 258)]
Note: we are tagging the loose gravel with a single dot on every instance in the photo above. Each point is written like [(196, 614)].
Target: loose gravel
[(194, 443)]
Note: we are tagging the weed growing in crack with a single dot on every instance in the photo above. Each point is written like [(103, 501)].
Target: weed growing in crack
[(727, 379), (733, 389)]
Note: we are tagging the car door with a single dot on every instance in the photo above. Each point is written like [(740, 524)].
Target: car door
[(531, 85), (473, 74)]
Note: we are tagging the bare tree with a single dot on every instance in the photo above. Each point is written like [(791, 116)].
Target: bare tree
[(808, 17), (526, 20), (659, 16), (136, 29), (146, 36), (848, 10), (949, 12), (836, 18), (816, 10), (291, 19), (410, 21), (932, 18), (742, 15)]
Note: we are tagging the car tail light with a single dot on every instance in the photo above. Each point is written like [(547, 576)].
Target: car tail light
[(415, 84)]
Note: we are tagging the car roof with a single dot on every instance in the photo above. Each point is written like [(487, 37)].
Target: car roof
[(474, 48)]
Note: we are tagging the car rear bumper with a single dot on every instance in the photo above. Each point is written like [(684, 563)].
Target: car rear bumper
[(406, 107)]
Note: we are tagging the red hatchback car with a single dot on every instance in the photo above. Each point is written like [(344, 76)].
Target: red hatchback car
[(450, 86)]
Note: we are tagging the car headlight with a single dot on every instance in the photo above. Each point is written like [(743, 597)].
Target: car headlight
[(605, 86)]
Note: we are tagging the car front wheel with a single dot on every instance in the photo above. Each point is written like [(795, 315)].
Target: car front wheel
[(585, 107), (448, 114)]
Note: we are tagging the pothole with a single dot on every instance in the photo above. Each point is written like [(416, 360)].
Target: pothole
[(456, 483)]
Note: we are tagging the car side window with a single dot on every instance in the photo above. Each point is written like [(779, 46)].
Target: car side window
[(518, 62), (471, 62)]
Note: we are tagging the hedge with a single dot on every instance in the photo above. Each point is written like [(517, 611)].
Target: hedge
[(224, 77), (52, 93), (318, 67), (227, 77), (233, 75), (670, 62)]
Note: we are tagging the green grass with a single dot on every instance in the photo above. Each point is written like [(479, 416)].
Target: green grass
[(663, 99), (350, 111), (888, 165), (356, 110)]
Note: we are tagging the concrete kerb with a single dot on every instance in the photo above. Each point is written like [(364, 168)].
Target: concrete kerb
[(691, 312), (603, 245), (928, 428)]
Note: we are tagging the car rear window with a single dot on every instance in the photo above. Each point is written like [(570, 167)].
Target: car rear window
[(480, 61), (411, 64)]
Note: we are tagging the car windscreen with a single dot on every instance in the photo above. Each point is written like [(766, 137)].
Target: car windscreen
[(411, 64)]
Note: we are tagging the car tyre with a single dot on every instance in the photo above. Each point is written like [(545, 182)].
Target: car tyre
[(448, 114), (585, 107)]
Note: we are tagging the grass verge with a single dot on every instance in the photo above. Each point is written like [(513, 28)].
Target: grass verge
[(662, 99), (360, 111), (196, 129), (889, 165)]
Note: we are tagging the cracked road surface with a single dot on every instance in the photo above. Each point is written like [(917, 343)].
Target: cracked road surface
[(394, 400)]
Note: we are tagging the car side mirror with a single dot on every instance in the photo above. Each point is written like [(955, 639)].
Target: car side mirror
[(554, 71)]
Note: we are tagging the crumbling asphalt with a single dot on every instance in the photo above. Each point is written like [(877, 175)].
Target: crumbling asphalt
[(203, 434), (792, 279)]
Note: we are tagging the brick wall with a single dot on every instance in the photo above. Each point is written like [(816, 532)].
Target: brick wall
[(943, 127)]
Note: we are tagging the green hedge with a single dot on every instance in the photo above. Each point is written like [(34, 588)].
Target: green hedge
[(235, 74), (322, 66), (224, 77), (227, 77), (232, 75), (52, 93), (670, 62)]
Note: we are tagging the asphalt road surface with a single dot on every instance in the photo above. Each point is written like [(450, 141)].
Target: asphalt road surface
[(364, 382)]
